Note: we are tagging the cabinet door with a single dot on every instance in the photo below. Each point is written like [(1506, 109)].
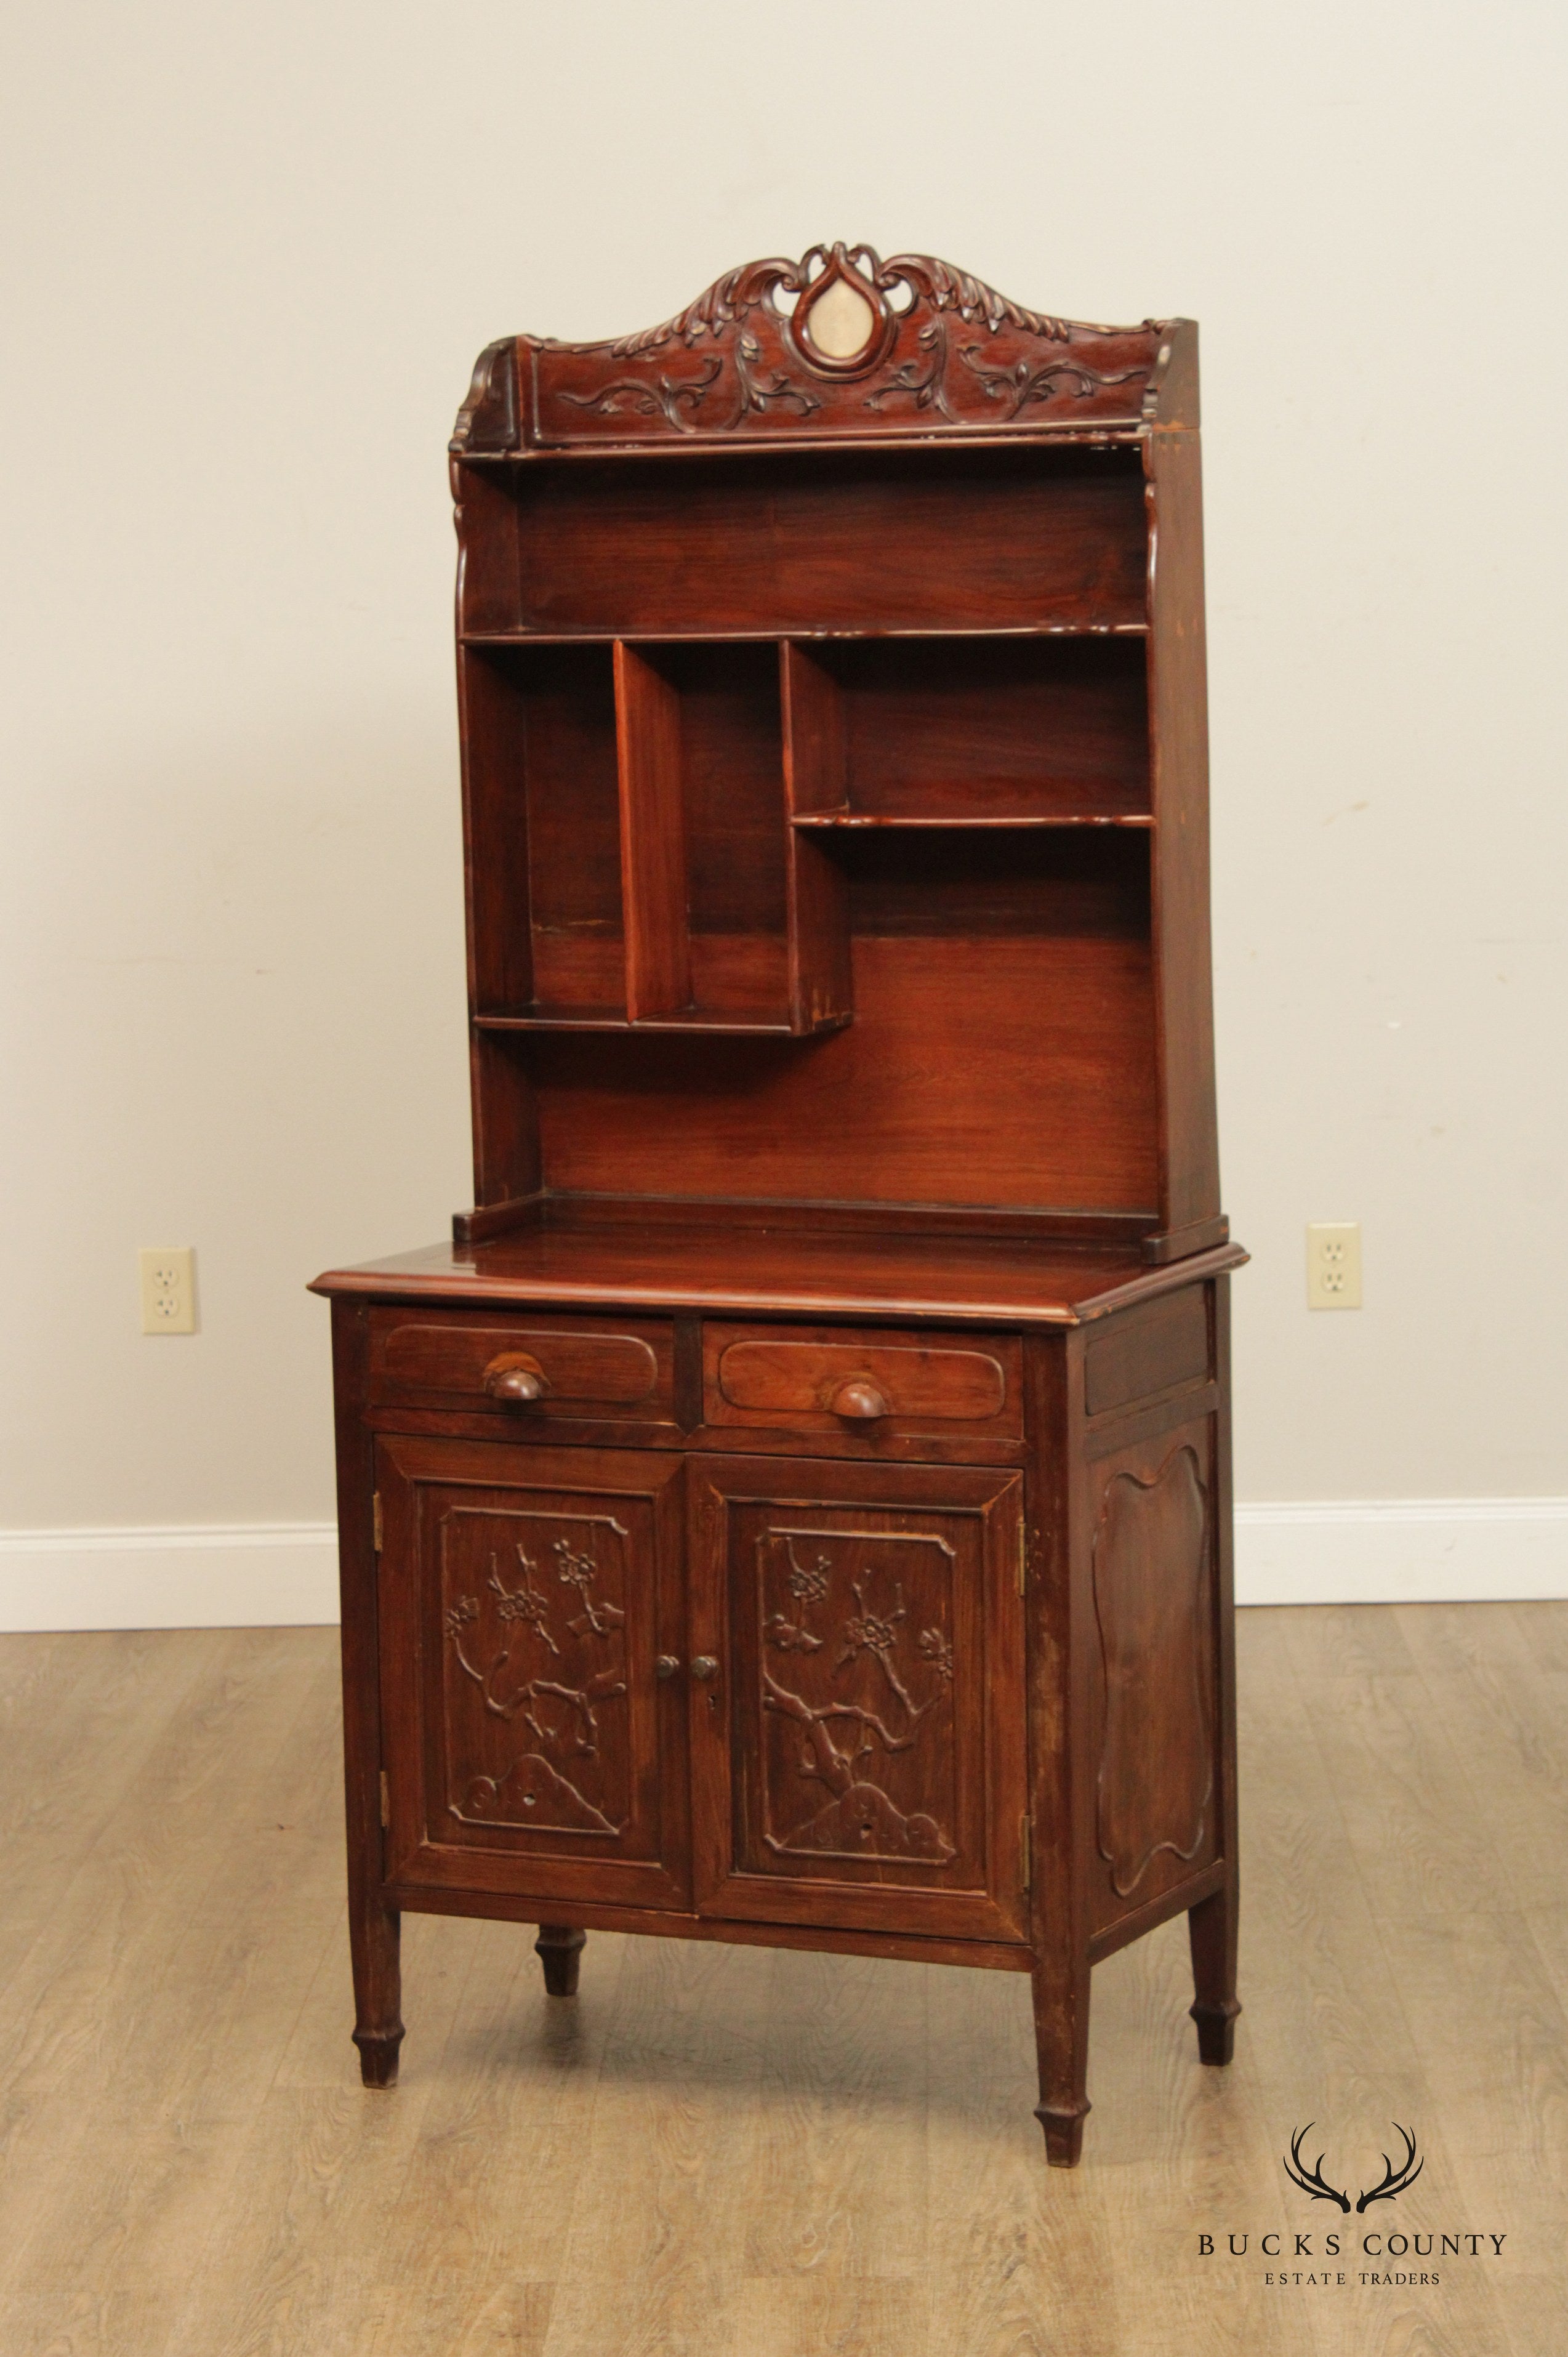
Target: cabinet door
[(526, 1596), (858, 1749)]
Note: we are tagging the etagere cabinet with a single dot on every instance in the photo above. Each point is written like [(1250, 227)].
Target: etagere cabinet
[(795, 1508)]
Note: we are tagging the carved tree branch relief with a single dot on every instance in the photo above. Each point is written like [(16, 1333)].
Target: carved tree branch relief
[(848, 1723), (536, 1661)]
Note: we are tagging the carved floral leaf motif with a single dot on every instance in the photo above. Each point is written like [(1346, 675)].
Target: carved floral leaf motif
[(856, 1708), (676, 398), (1022, 383), (1152, 1598), (536, 1663)]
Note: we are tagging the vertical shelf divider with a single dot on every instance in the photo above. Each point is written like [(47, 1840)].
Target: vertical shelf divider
[(652, 838), (816, 888)]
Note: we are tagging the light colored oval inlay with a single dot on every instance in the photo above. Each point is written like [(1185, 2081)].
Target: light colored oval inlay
[(841, 321)]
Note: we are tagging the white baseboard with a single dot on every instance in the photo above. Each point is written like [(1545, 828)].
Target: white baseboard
[(1403, 1551), (269, 1575), (199, 1576)]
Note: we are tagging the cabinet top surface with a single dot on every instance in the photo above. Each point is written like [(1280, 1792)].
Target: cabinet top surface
[(785, 1273), (840, 345)]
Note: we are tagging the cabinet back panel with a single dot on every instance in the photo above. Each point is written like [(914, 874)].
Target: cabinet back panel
[(1013, 1069), (980, 728), (732, 768), (1090, 883), (803, 541)]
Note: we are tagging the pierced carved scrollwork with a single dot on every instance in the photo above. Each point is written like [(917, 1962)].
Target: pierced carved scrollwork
[(763, 368), (536, 1661), (947, 289), (880, 1716)]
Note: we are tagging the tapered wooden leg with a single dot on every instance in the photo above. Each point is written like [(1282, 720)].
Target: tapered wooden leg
[(1061, 2038), (1211, 1928), (374, 1934), (559, 1948)]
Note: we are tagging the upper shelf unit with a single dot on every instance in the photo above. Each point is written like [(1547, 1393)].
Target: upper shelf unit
[(835, 757)]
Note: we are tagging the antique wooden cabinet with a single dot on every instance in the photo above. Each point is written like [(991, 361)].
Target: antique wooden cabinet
[(796, 1507)]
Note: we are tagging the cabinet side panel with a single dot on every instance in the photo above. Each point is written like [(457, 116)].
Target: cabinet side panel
[(506, 1130), (1161, 1782), (486, 520), (1178, 712)]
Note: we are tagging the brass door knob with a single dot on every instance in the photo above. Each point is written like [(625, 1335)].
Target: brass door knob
[(515, 1379), (704, 1666), (861, 1400), (666, 1665)]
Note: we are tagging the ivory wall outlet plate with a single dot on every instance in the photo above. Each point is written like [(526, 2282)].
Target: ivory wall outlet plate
[(1333, 1264), (169, 1289)]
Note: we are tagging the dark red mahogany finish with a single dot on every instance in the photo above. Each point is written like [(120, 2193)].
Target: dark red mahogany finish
[(796, 1508)]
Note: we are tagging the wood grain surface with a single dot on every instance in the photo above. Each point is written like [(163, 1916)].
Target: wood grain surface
[(728, 2149)]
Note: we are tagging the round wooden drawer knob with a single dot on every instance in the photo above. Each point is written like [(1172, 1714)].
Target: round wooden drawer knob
[(516, 1380), (704, 1666), (860, 1400), (666, 1665)]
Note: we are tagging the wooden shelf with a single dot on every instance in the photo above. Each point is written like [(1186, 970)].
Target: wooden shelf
[(591, 637), (841, 818), (613, 1018)]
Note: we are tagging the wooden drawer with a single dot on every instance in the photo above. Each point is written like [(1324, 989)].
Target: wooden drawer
[(862, 1382), (525, 1370)]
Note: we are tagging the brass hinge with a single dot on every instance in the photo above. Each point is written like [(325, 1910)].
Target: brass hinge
[(1026, 1861), (386, 1800), (1023, 1553), (376, 1522)]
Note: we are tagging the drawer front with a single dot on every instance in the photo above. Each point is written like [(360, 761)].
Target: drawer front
[(526, 1370), (862, 1382)]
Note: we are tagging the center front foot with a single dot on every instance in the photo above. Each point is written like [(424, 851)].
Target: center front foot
[(559, 1948)]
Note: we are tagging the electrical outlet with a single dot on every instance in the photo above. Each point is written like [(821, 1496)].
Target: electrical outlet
[(168, 1289), (1333, 1264)]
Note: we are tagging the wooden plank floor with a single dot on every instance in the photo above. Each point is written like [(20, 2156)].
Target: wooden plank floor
[(722, 2150)]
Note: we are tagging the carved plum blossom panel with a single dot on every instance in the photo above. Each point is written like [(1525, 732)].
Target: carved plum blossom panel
[(534, 1671), (858, 1755), (857, 1678)]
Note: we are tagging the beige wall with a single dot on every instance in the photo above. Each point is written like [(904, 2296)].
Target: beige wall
[(254, 251)]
